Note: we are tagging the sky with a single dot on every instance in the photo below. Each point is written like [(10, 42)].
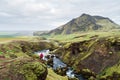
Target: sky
[(38, 15)]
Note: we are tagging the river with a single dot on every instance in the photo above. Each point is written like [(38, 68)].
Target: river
[(57, 63)]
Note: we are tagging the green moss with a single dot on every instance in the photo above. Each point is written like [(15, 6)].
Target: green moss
[(86, 70), (21, 62), (30, 70), (67, 57), (1, 53), (67, 45), (110, 53)]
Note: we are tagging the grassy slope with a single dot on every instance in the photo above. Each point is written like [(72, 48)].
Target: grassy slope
[(72, 38), (110, 70), (79, 37), (83, 36), (7, 39), (11, 51), (23, 38), (11, 56)]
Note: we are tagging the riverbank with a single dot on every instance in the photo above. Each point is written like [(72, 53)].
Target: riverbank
[(17, 61)]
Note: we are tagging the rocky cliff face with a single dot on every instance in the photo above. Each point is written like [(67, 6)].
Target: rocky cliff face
[(95, 54)]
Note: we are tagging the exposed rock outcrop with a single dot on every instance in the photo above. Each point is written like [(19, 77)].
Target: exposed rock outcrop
[(95, 54), (17, 61)]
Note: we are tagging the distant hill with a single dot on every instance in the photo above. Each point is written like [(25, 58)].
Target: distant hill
[(38, 33), (84, 23), (7, 34)]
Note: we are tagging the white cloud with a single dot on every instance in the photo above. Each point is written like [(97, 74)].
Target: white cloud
[(5, 14), (15, 3), (52, 13), (35, 8)]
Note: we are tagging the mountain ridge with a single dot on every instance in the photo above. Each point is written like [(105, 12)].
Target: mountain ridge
[(84, 23)]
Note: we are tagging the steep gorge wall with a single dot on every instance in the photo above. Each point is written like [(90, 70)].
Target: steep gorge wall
[(95, 54), (18, 63), (26, 46)]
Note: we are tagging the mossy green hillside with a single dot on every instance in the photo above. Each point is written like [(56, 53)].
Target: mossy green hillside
[(31, 70), (94, 54), (17, 61)]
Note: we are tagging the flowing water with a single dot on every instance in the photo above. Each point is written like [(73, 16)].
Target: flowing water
[(57, 63)]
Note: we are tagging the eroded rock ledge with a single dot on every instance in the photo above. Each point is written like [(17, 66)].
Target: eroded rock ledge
[(96, 55), (18, 63)]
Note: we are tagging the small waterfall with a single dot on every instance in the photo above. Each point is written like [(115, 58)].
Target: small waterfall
[(70, 73), (57, 63)]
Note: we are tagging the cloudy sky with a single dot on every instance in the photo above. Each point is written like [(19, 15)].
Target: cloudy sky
[(49, 14)]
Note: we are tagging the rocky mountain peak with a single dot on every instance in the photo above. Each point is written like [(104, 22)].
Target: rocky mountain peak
[(85, 23)]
